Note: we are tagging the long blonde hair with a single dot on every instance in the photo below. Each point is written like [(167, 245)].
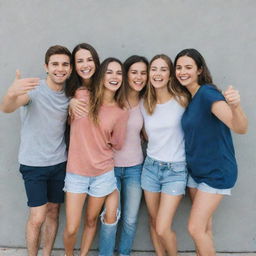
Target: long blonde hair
[(97, 93), (150, 98)]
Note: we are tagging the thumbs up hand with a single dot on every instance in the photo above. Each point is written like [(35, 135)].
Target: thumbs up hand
[(21, 86), (232, 97)]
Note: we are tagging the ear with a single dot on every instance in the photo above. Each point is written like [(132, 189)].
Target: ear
[(46, 68), (199, 71), (71, 68)]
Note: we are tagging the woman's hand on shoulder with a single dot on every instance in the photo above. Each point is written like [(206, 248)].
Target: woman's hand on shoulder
[(78, 108)]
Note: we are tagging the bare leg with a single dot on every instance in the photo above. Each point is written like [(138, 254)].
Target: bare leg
[(74, 209), (36, 219), (167, 208), (192, 194), (153, 201), (93, 209), (111, 207), (50, 228), (203, 207)]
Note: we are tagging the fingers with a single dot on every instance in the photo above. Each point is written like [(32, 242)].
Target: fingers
[(22, 86), (78, 108), (17, 74), (232, 96), (29, 81)]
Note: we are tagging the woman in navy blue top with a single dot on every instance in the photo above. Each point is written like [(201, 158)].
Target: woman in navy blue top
[(208, 143)]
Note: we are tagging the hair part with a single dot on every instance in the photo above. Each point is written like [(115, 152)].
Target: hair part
[(98, 88), (56, 49), (75, 81)]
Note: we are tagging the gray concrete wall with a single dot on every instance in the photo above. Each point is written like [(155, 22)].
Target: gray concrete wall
[(224, 32)]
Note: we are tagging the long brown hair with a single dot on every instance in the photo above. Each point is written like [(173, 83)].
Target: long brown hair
[(204, 77), (97, 92), (150, 98)]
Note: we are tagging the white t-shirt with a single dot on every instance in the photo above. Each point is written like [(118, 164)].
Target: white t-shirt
[(164, 131)]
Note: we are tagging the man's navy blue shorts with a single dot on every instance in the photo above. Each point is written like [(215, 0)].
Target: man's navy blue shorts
[(44, 184)]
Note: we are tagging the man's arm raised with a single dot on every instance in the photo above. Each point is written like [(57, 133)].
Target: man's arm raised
[(17, 93)]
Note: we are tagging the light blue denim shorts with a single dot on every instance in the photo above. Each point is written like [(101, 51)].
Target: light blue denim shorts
[(97, 186), (206, 188), (166, 177)]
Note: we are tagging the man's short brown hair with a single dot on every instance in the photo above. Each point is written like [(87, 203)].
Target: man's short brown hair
[(56, 49)]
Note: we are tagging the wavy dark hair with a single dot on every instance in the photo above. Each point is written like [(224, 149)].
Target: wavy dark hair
[(97, 92), (205, 76), (127, 64), (75, 81)]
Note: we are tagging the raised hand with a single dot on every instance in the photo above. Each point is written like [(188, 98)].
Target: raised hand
[(232, 97), (21, 86)]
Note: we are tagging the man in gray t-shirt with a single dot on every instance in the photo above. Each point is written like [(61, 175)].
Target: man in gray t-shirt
[(42, 153)]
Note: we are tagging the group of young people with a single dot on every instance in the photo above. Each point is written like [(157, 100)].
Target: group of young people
[(174, 106)]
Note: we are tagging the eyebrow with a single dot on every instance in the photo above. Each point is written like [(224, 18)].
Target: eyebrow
[(160, 67)]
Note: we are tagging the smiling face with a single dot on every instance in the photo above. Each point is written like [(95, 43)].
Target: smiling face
[(159, 73), (113, 77), (137, 76), (84, 64), (58, 69), (187, 72)]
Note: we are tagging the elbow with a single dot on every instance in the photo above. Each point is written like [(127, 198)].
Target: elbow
[(6, 110), (117, 147), (241, 130)]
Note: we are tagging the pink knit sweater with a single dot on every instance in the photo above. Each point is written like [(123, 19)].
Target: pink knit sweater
[(91, 146)]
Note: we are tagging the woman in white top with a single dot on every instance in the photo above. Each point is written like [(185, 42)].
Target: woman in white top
[(164, 174)]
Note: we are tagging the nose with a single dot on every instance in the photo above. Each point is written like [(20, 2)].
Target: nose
[(60, 68), (139, 76), (182, 71), (158, 72)]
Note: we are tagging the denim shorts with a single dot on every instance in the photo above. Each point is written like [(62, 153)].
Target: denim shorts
[(206, 188), (166, 177), (44, 183), (97, 186)]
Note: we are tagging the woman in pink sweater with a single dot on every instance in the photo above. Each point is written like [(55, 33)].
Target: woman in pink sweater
[(90, 167)]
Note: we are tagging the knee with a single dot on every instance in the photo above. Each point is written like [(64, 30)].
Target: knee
[(71, 230), (110, 217), (163, 231), (36, 220), (129, 221), (53, 211), (90, 222), (160, 231), (193, 229)]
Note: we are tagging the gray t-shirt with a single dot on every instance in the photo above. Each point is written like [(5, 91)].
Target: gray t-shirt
[(43, 122)]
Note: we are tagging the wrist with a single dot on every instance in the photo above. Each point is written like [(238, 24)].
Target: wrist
[(11, 94)]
